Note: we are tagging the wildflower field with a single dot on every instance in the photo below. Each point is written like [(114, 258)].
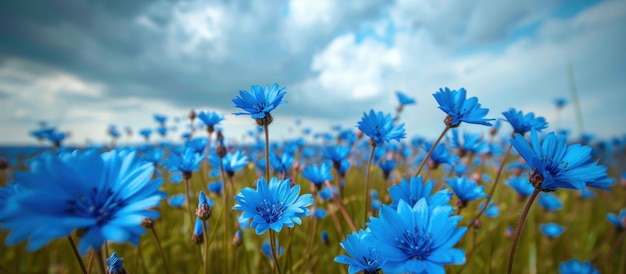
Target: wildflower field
[(519, 197)]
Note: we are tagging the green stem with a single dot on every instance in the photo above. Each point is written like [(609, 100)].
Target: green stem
[(274, 253), (160, 248), (76, 254), (206, 247), (367, 183), (225, 216), (267, 153), (430, 152), (188, 196), (518, 229), (493, 189), (614, 247), (100, 261), (338, 202)]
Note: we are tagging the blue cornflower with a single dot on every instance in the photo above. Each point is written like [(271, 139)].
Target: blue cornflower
[(466, 190), (440, 155), (587, 193), (325, 238), (176, 177), (551, 230), (153, 156), (362, 254), (327, 194), (376, 204), (115, 265), (259, 102), (574, 266), (281, 164), (472, 143), (161, 119), (266, 248), (618, 221), (187, 162), (43, 133), (177, 200), (404, 99), (417, 239), (203, 211), (231, 162), (560, 102), (550, 202), (56, 138), (320, 213), (216, 187), (415, 190), (524, 123), (492, 210), (105, 196), (387, 166), (521, 185), (6, 192), (198, 232), (379, 127), (197, 144), (459, 109), (146, 132), (336, 153), (317, 174), (555, 164), (210, 119), (272, 205), (162, 131)]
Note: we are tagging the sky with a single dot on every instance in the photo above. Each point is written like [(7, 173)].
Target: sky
[(83, 66)]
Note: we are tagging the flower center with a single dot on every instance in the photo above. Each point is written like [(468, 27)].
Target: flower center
[(415, 243), (270, 212), (98, 205)]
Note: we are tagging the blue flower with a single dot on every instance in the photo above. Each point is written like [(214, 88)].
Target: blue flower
[(521, 185), (231, 161), (550, 202), (362, 254), (176, 177), (417, 239), (459, 109), (187, 162), (317, 174), (259, 101), (466, 190), (557, 165), (115, 265), (272, 205), (105, 196), (216, 187), (6, 192), (281, 164), (492, 210), (336, 153), (320, 213), (210, 119), (379, 127), (440, 155), (177, 200), (387, 166), (198, 232), (146, 132), (326, 193), (471, 143), (415, 190), (161, 119), (197, 144), (573, 266), (560, 102), (404, 99), (266, 248), (552, 230), (618, 221), (524, 123), (324, 236)]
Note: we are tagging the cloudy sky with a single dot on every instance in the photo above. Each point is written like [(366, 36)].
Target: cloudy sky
[(85, 65)]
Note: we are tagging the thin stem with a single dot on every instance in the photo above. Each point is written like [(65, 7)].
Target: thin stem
[(160, 248), (615, 245), (76, 254), (188, 196), (430, 152), (339, 204), (90, 263), (224, 215), (495, 184), (518, 229), (273, 247), (288, 249), (206, 247), (100, 261), (267, 153), (367, 183)]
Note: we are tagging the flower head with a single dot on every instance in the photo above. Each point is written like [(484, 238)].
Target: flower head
[(524, 123), (231, 162), (272, 205), (115, 265), (317, 174), (380, 128), (210, 118), (576, 267), (555, 164), (259, 102), (551, 230), (550, 202), (186, 162), (404, 99), (521, 185), (105, 196), (417, 239), (460, 109), (618, 220), (362, 254), (415, 190), (466, 190)]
